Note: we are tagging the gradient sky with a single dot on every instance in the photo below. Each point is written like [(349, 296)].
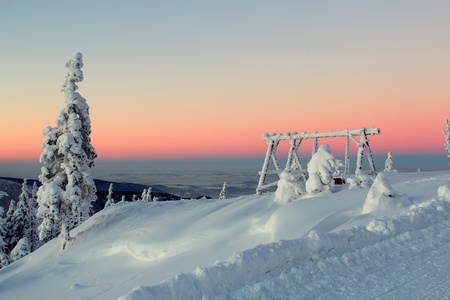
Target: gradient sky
[(171, 79)]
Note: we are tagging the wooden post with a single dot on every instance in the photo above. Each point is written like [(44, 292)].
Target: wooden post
[(347, 156), (315, 144), (292, 155), (272, 146)]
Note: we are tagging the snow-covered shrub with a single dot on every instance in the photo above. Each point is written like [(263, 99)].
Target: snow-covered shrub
[(289, 187), (364, 180), (321, 168), (353, 183), (382, 197), (444, 192)]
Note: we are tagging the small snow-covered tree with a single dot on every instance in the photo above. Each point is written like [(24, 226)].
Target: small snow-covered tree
[(21, 249), (223, 192), (321, 168), (34, 220), (389, 163), (146, 195), (9, 237), (123, 198), (22, 217), (149, 194), (446, 132), (109, 198), (4, 260), (67, 188), (289, 187)]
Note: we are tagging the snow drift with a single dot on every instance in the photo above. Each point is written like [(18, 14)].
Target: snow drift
[(244, 248)]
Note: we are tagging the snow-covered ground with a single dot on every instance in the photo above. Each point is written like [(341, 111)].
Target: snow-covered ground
[(252, 247)]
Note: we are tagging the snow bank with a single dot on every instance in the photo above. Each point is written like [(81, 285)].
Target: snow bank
[(355, 246)]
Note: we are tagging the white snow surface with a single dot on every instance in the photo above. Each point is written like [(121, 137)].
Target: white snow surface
[(251, 247)]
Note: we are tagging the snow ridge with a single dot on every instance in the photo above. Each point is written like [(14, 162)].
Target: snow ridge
[(242, 275)]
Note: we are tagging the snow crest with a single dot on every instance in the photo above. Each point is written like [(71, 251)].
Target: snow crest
[(243, 275)]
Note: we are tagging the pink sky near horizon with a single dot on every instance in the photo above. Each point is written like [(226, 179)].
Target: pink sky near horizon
[(178, 80)]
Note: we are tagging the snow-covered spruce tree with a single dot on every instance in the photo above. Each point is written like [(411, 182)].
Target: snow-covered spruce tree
[(22, 218), (34, 220), (389, 163), (67, 188), (9, 237), (223, 192), (144, 196), (446, 132), (22, 249), (109, 198), (4, 260), (321, 168), (289, 187), (149, 194)]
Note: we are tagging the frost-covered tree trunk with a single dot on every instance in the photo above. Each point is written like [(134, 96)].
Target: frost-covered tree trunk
[(67, 187), (223, 192), (109, 199)]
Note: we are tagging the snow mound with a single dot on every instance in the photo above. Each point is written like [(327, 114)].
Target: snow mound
[(382, 198), (221, 280)]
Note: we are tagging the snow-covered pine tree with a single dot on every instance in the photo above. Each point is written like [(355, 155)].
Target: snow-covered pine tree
[(321, 168), (67, 188), (149, 194), (9, 237), (33, 238), (4, 260), (223, 192), (109, 198), (446, 132), (389, 163), (144, 196), (22, 219), (21, 249)]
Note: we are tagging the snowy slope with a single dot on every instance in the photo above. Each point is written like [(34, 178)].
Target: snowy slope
[(232, 249)]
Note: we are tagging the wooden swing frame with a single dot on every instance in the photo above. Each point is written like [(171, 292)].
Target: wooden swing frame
[(293, 158)]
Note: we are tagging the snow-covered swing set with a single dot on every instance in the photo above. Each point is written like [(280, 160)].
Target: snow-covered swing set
[(294, 162)]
